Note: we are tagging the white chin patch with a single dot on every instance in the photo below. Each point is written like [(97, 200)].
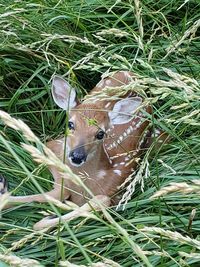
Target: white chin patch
[(74, 164)]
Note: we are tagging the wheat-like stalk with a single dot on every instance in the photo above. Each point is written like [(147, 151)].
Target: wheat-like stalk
[(104, 263), (18, 125), (172, 236), (138, 178), (15, 261), (189, 32), (138, 17), (46, 157), (190, 255), (113, 31), (178, 187)]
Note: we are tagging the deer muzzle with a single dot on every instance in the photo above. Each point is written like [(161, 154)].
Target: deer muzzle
[(78, 156)]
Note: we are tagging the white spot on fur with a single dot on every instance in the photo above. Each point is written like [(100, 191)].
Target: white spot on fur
[(107, 105), (108, 82), (114, 144), (137, 126), (118, 172), (115, 165), (101, 174), (128, 131), (121, 138), (157, 132), (122, 163), (125, 134), (110, 147)]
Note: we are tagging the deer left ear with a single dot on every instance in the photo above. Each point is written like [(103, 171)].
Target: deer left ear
[(123, 110), (64, 95)]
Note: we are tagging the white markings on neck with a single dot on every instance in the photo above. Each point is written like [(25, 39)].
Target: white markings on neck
[(106, 152), (125, 134), (136, 124), (114, 144), (121, 138), (110, 147), (128, 131)]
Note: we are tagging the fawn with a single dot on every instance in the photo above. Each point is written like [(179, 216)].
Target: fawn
[(106, 138)]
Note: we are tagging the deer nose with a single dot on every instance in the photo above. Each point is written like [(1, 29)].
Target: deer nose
[(78, 155)]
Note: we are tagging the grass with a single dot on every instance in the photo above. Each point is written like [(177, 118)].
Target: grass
[(158, 40)]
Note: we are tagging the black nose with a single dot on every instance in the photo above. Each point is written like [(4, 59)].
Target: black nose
[(78, 155)]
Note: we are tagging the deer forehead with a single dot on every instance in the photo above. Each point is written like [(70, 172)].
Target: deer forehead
[(86, 127), (89, 117)]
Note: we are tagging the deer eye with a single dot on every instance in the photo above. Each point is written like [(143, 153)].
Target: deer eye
[(100, 135), (70, 125)]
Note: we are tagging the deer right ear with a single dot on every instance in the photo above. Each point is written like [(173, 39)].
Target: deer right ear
[(63, 94), (124, 109)]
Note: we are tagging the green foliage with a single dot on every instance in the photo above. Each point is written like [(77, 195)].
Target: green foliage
[(81, 40)]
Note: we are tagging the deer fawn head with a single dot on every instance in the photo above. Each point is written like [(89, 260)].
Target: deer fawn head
[(89, 122)]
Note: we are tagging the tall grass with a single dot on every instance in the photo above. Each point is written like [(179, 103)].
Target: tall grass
[(159, 41)]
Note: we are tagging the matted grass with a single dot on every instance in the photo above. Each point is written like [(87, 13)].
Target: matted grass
[(159, 41)]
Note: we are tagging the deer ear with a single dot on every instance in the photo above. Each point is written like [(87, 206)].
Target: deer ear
[(63, 94), (123, 110)]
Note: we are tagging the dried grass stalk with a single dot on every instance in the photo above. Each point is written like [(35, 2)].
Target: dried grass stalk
[(190, 32), (15, 261), (104, 263), (172, 236), (178, 187)]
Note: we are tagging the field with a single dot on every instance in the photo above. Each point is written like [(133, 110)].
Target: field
[(81, 40)]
